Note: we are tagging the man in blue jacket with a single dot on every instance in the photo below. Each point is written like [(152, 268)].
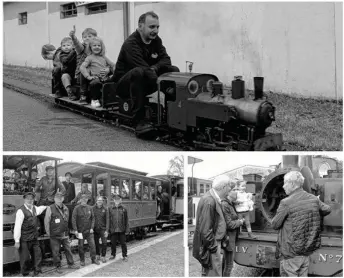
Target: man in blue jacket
[(141, 60)]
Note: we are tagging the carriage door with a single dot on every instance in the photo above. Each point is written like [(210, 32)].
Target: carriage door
[(100, 187), (180, 198)]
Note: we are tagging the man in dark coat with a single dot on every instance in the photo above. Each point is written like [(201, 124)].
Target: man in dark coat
[(233, 223), (298, 220), (119, 226), (141, 60), (56, 226), (101, 227), (211, 227), (83, 225), (69, 196)]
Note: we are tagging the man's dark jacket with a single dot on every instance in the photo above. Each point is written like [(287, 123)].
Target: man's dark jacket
[(119, 222), (101, 217), (210, 225), (70, 192), (298, 221), (232, 223), (83, 218), (135, 53)]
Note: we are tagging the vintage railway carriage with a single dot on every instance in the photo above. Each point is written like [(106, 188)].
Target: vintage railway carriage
[(138, 191), (13, 189), (168, 216), (260, 252)]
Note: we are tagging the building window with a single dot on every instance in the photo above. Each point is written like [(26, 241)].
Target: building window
[(97, 7), (68, 10), (22, 19), (207, 187)]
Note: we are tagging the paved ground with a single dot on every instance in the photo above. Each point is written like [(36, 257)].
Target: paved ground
[(34, 125), (238, 271), (165, 258)]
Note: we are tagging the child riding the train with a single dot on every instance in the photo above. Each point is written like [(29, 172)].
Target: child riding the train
[(93, 69)]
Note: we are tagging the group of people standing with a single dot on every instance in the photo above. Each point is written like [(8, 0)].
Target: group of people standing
[(93, 223), (218, 223)]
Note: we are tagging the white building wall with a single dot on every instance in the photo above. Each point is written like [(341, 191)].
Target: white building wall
[(292, 44), (296, 46), (23, 43)]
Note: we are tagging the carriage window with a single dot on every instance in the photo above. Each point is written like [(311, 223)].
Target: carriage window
[(201, 189), (180, 190), (22, 18), (97, 7), (100, 187), (68, 10), (125, 189), (152, 191), (207, 188), (114, 187), (145, 195), (136, 190)]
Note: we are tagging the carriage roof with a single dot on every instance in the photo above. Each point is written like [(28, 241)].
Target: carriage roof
[(77, 169), (14, 162)]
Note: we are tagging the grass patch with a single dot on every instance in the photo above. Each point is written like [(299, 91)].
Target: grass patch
[(306, 124)]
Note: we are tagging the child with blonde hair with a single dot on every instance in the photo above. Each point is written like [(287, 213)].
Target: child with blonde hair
[(94, 69), (243, 205)]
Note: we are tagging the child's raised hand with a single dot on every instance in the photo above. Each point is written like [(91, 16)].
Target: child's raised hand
[(72, 33)]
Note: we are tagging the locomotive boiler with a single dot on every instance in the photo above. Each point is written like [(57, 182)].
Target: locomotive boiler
[(209, 118), (260, 252)]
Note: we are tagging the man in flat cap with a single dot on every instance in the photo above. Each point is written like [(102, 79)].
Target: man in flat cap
[(56, 226), (47, 188), (26, 234), (119, 226), (83, 225)]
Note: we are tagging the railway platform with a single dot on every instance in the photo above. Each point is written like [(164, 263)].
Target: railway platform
[(151, 257)]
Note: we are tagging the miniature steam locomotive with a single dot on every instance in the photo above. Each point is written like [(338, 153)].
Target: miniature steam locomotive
[(195, 112)]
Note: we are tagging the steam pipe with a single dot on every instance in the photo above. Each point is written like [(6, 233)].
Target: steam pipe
[(290, 161)]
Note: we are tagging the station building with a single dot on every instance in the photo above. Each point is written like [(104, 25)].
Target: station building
[(296, 46)]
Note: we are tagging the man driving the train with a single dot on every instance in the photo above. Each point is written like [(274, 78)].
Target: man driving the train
[(141, 60), (298, 220)]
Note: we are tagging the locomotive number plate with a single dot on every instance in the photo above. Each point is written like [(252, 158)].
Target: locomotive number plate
[(265, 255)]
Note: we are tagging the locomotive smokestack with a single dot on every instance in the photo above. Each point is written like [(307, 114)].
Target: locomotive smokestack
[(238, 87), (290, 161), (258, 87)]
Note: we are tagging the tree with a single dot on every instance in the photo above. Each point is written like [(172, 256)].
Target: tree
[(176, 166)]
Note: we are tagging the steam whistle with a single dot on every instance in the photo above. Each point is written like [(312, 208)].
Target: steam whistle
[(258, 87), (190, 66)]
